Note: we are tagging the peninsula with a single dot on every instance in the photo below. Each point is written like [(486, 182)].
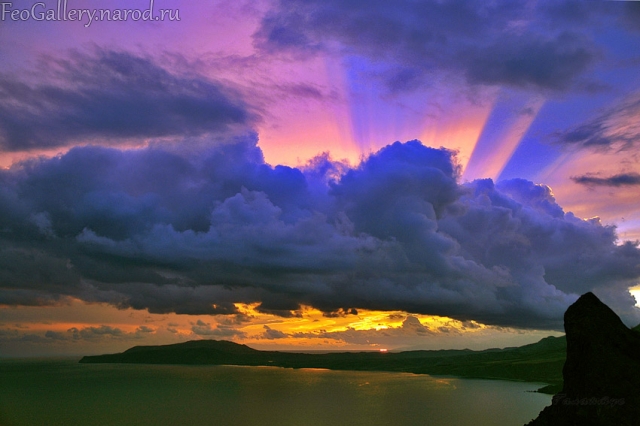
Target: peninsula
[(537, 362)]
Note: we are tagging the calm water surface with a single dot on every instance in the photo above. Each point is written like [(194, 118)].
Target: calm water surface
[(63, 392)]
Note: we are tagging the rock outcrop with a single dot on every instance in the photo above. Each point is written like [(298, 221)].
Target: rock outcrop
[(601, 373)]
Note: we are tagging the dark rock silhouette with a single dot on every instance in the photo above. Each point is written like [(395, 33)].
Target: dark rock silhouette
[(601, 373)]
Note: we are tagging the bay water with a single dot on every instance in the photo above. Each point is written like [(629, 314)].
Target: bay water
[(64, 392)]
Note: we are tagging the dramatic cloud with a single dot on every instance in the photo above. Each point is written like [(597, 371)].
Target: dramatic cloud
[(622, 179), (111, 95), (539, 45), (197, 232), (615, 128), (411, 327)]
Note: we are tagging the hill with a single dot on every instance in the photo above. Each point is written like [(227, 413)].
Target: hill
[(537, 362)]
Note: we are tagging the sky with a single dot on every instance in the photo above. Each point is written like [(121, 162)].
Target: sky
[(314, 175)]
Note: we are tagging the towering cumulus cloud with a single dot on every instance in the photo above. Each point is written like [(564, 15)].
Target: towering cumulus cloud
[(197, 232)]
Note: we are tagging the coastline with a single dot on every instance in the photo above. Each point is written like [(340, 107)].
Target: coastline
[(539, 363)]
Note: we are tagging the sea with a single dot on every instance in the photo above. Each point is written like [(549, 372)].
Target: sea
[(63, 392)]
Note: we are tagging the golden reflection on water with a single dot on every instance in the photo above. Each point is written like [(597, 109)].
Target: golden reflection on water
[(68, 393)]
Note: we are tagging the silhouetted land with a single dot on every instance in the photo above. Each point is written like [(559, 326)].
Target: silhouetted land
[(537, 362), (602, 372), (603, 361)]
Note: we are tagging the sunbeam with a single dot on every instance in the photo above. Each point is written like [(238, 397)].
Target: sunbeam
[(458, 133), (506, 125)]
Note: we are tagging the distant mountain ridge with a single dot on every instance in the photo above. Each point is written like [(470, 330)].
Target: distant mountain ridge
[(537, 362)]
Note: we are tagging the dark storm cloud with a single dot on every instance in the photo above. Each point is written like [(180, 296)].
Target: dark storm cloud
[(111, 95), (622, 179), (512, 225), (27, 270), (538, 46), (196, 232), (542, 62)]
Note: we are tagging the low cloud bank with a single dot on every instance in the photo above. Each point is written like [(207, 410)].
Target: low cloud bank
[(197, 232)]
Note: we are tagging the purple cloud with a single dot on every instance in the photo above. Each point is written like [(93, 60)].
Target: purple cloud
[(115, 96), (539, 47), (622, 179), (196, 232)]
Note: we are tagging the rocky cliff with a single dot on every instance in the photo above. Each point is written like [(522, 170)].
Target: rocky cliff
[(601, 373)]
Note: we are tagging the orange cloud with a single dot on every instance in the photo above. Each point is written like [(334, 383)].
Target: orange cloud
[(80, 328)]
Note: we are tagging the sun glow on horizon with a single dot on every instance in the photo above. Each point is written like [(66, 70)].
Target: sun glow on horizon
[(635, 292), (79, 327)]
